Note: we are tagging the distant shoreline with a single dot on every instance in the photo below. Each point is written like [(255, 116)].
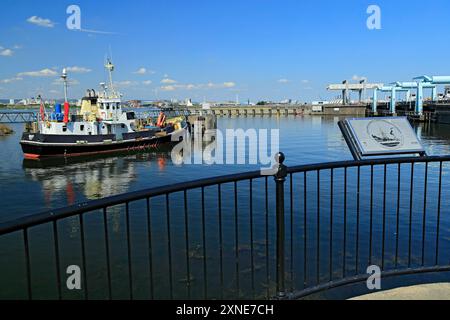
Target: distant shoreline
[(8, 106)]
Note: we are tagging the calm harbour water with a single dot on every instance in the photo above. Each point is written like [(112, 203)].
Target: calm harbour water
[(30, 187)]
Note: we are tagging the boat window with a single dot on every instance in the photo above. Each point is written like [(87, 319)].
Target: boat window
[(114, 107), (123, 126), (107, 106), (130, 116), (82, 127), (64, 129)]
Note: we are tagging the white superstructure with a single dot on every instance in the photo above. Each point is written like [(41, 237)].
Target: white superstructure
[(100, 114)]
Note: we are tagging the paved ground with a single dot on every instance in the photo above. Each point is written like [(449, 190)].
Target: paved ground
[(439, 291)]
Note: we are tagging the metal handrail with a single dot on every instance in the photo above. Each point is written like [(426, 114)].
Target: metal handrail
[(284, 203), (364, 163), (58, 214)]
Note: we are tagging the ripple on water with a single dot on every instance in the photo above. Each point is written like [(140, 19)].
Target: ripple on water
[(303, 139)]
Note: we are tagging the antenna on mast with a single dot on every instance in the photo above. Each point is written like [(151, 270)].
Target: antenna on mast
[(110, 67), (64, 78)]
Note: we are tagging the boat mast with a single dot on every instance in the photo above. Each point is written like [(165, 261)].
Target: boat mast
[(110, 67), (64, 77), (66, 102)]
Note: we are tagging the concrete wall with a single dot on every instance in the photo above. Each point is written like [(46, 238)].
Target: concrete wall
[(281, 110)]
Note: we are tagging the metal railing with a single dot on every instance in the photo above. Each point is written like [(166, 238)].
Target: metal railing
[(306, 230), (17, 116), (155, 113), (30, 116)]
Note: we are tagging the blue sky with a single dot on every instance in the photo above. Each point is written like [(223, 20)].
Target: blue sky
[(215, 49)]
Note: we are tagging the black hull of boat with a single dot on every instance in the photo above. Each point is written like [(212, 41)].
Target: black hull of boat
[(37, 150)]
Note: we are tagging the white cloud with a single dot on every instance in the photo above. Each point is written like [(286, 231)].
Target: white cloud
[(76, 69), (191, 86), (283, 81), (11, 80), (147, 82), (229, 84), (178, 87), (125, 83), (41, 73), (210, 85), (90, 31), (41, 22), (305, 81), (6, 53), (218, 85), (358, 78), (142, 71), (168, 88), (168, 81)]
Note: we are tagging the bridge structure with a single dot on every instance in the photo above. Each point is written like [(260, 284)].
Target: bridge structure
[(418, 84), (360, 87), (423, 82), (30, 116), (396, 87), (18, 116), (393, 90)]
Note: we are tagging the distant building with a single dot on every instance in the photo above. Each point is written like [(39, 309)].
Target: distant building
[(287, 101), (12, 102), (30, 102), (206, 105), (135, 103), (187, 103), (320, 103)]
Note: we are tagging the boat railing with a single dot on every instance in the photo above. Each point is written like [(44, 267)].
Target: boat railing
[(305, 231), (156, 113)]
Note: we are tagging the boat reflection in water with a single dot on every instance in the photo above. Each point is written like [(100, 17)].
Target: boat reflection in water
[(67, 181), (89, 178)]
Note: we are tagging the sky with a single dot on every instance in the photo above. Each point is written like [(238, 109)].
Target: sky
[(218, 50)]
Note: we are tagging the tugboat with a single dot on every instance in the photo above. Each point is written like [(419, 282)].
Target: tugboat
[(101, 126)]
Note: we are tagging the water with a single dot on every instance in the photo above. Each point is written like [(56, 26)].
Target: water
[(29, 187)]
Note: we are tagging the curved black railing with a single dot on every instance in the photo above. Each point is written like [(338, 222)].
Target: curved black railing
[(305, 230)]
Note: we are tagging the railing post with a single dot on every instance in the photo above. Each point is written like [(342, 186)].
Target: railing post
[(280, 179)]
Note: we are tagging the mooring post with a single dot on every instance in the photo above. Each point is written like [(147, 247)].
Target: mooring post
[(280, 179)]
